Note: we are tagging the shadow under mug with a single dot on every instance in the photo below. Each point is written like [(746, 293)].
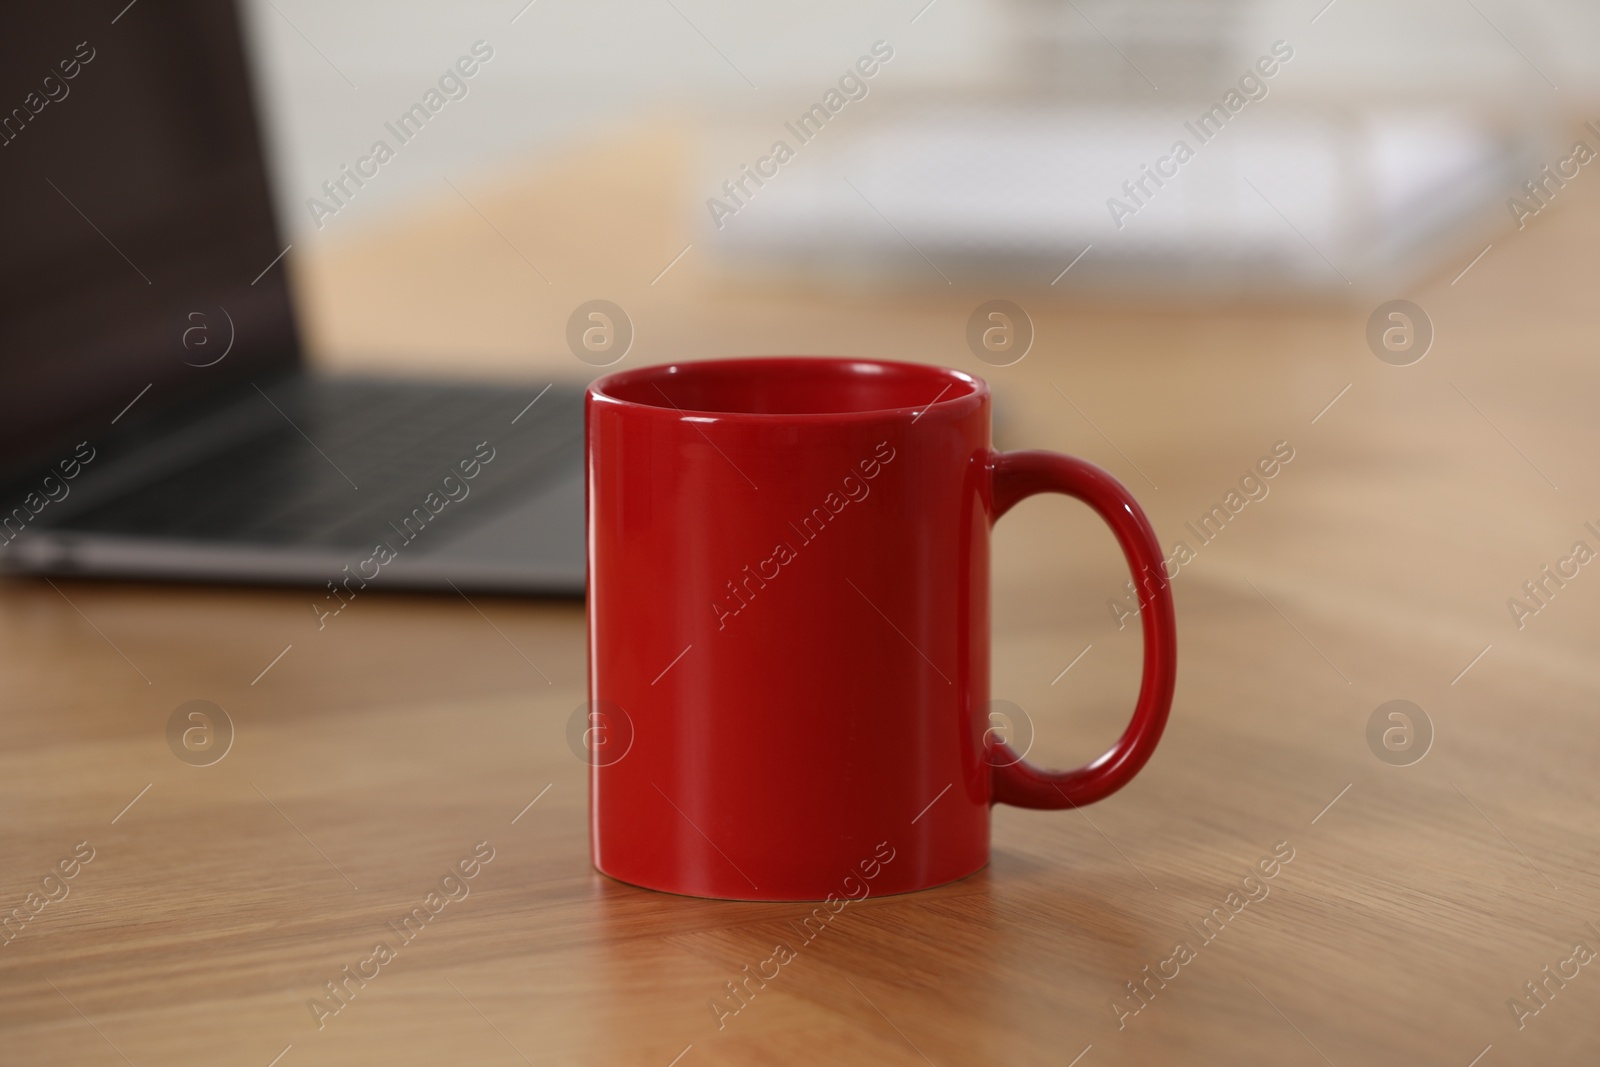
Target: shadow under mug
[(789, 627)]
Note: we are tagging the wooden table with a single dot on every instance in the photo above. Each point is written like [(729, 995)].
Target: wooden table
[(371, 756)]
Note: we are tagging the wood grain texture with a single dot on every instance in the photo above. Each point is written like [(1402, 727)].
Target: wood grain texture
[(378, 751)]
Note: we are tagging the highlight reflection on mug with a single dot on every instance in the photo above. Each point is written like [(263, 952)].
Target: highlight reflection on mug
[(199, 732), (599, 732), (1006, 724)]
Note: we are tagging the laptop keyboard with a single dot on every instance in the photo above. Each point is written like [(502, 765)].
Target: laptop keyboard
[(343, 460)]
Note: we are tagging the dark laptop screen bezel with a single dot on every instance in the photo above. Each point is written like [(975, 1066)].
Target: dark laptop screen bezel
[(138, 242)]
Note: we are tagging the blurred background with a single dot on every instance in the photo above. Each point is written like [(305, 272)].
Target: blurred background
[(983, 153)]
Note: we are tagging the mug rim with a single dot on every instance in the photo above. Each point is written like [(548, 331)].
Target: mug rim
[(604, 389)]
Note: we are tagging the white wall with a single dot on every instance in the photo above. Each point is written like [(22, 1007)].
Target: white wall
[(566, 67)]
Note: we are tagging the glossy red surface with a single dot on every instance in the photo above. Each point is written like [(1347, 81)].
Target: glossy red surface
[(789, 601)]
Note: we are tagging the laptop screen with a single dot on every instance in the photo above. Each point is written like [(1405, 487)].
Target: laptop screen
[(139, 261)]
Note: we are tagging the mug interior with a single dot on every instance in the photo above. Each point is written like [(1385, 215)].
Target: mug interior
[(791, 385)]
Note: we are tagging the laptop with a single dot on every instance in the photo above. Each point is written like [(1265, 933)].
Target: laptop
[(157, 418)]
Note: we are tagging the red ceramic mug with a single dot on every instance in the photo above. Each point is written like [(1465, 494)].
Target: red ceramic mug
[(789, 627)]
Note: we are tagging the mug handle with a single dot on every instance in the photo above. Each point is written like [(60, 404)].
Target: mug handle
[(1014, 476)]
